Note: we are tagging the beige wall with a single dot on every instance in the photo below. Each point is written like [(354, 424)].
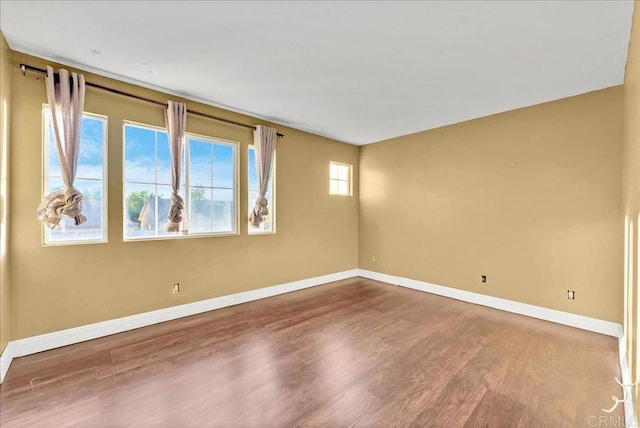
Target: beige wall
[(532, 198), (5, 89), (631, 197), (316, 234)]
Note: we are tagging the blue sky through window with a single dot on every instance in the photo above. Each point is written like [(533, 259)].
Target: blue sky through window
[(147, 155), (211, 165), (91, 155)]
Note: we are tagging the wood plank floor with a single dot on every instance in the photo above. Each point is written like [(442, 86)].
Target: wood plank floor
[(351, 353)]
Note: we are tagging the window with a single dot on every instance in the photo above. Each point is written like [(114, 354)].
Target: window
[(212, 186), (91, 180), (209, 173), (268, 225), (339, 179)]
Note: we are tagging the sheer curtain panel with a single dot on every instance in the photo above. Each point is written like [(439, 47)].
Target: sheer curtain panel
[(176, 121), (66, 102), (264, 141)]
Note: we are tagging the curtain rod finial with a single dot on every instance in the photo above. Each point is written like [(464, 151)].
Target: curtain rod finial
[(24, 69)]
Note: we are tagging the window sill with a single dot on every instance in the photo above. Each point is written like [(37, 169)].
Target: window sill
[(192, 236), (78, 242), (268, 232)]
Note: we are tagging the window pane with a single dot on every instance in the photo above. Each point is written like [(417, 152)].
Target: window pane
[(55, 184), (91, 155), (343, 172), (200, 163), (223, 218), (343, 187), (253, 176), (333, 171), (163, 201), (200, 210), (140, 147), (223, 168), (140, 211), (333, 187), (147, 209), (164, 159)]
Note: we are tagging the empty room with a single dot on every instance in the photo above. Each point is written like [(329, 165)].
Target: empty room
[(319, 213)]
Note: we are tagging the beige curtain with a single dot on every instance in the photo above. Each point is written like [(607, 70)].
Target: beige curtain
[(66, 102), (176, 122), (264, 141)]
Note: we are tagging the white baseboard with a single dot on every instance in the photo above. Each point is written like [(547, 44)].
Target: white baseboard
[(579, 321), (5, 360), (56, 339)]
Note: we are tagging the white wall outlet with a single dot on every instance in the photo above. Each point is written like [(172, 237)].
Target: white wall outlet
[(175, 289)]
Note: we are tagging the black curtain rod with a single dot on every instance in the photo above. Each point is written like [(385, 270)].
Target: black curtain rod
[(25, 68)]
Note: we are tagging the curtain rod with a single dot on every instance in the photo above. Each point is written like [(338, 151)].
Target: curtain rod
[(25, 67)]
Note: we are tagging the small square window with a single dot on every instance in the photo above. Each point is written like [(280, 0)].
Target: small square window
[(340, 179)]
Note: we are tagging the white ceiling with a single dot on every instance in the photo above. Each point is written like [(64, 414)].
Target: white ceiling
[(358, 72)]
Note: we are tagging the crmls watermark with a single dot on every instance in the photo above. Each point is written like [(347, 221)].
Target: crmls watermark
[(606, 421)]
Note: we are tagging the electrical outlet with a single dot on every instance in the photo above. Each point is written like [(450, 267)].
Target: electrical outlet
[(175, 289), (571, 294), (374, 259), (483, 278)]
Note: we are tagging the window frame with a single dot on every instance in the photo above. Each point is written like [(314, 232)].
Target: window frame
[(185, 188), (272, 204), (105, 179), (349, 180)]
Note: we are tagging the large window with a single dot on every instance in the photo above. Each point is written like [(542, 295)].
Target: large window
[(209, 178), (340, 179), (268, 226), (90, 180)]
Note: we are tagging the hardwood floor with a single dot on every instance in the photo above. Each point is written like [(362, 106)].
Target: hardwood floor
[(351, 353)]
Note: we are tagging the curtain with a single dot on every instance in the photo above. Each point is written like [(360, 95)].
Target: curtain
[(264, 141), (66, 103), (176, 122)]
